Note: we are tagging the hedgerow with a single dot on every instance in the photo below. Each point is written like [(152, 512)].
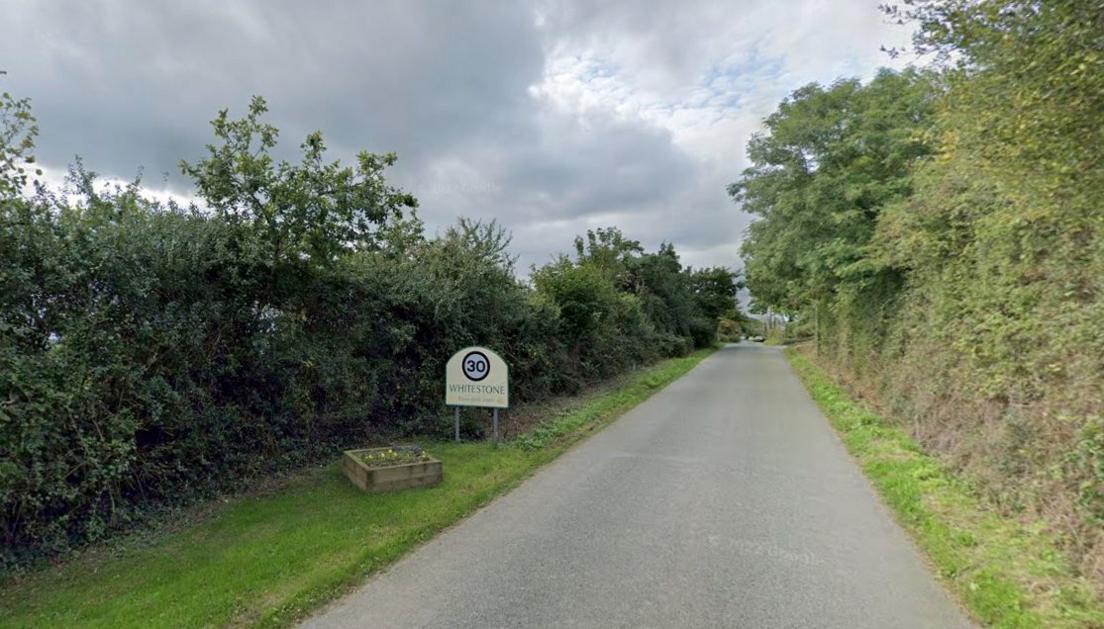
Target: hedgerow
[(152, 353), (940, 230)]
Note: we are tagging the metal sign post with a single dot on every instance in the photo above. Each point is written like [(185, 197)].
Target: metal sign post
[(476, 376)]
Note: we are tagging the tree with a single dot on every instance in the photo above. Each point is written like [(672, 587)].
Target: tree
[(584, 295), (17, 132), (311, 211), (714, 290), (829, 163), (1027, 77)]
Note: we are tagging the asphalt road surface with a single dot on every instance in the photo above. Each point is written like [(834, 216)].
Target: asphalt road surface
[(723, 501)]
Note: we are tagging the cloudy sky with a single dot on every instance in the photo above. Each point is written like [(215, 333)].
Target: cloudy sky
[(552, 117)]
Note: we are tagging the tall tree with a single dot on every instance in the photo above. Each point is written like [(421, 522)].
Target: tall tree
[(830, 160), (312, 210)]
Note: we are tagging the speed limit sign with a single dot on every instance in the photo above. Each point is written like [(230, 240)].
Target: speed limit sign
[(476, 366), (477, 376)]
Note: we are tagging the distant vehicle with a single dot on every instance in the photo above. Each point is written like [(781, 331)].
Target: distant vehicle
[(758, 339)]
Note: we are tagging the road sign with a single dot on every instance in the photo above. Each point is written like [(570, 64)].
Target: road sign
[(475, 365), (476, 376)]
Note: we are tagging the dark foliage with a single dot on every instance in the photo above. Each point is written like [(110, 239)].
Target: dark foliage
[(151, 354), (941, 234)]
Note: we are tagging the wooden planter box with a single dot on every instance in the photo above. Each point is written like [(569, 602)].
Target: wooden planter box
[(401, 476)]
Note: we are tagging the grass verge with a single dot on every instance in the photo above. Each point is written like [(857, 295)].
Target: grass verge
[(1007, 573), (269, 560)]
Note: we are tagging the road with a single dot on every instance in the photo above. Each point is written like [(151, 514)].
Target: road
[(725, 500)]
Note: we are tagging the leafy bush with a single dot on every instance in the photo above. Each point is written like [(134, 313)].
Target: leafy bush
[(151, 354), (944, 229)]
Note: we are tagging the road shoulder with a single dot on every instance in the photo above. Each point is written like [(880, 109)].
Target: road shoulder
[(1004, 571)]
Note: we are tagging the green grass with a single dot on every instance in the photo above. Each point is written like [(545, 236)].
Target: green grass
[(1007, 572), (268, 560)]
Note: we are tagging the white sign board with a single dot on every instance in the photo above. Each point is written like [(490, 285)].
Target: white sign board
[(476, 376)]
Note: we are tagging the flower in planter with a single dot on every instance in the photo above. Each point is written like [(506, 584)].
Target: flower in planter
[(394, 455)]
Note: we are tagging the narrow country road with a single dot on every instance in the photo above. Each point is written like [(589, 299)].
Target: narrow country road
[(723, 501)]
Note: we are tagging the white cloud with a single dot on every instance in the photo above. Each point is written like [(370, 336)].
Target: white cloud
[(707, 73), (550, 117)]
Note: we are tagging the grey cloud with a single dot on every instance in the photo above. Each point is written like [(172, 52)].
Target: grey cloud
[(127, 84), (446, 85), (603, 166)]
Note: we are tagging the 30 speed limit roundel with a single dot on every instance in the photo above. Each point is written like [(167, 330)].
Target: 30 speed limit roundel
[(476, 366), (477, 376)]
